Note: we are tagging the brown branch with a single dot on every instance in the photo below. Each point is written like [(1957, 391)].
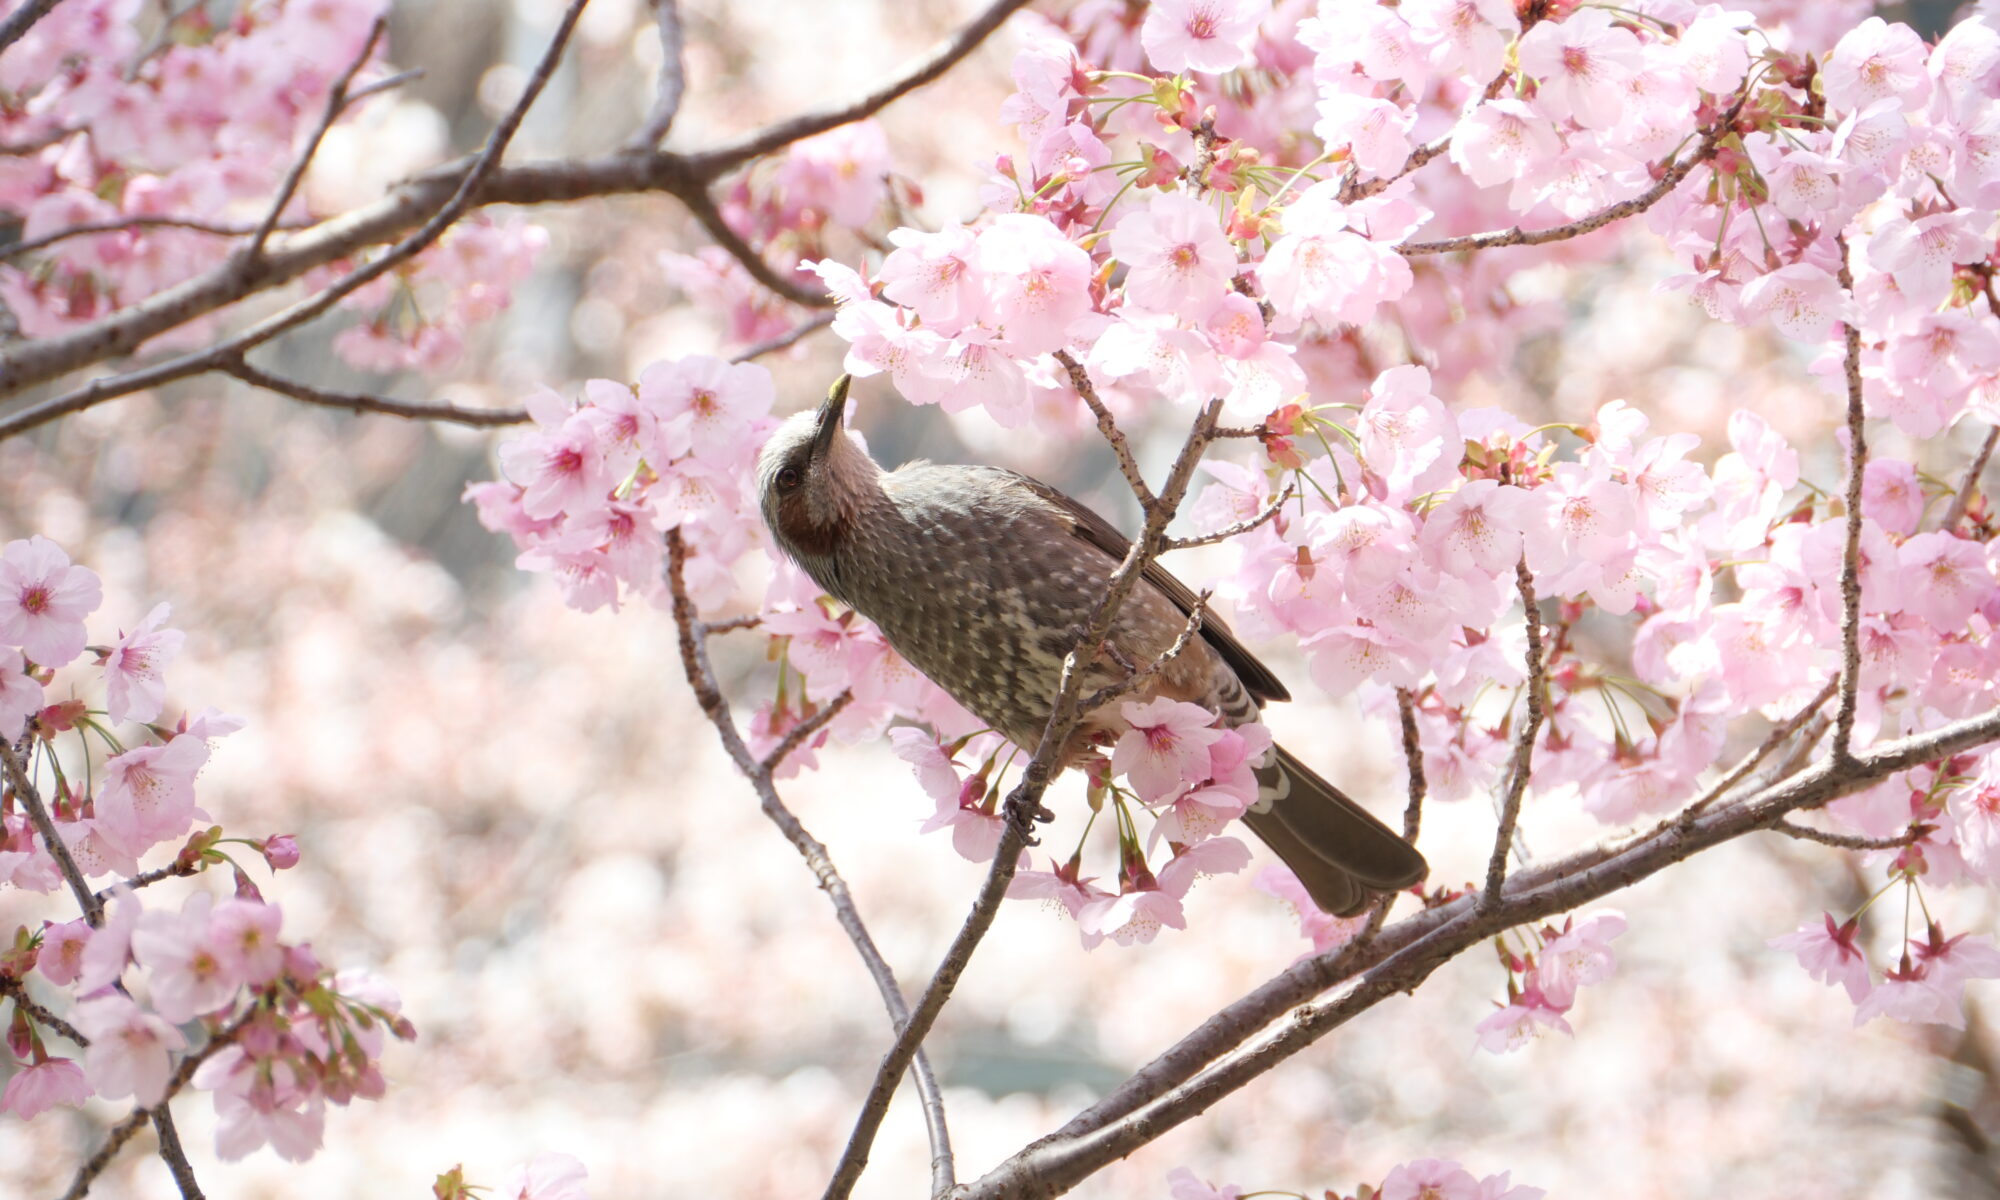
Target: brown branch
[(17, 991), (803, 731), (1079, 380), (1352, 190), (1413, 760), (931, 66), (1962, 499), (1669, 178), (673, 78), (1025, 800), (123, 223), (177, 869), (1405, 954), (1779, 733), (790, 337), (23, 19), (701, 678), (1850, 556), (751, 621), (702, 206), (171, 1153), (359, 403), (1222, 535), (1524, 742), (336, 103), (38, 815), (1807, 833), (1111, 691)]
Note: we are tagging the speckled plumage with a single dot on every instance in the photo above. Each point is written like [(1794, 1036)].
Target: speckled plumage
[(982, 577)]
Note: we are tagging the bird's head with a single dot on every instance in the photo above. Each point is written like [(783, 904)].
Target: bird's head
[(813, 479)]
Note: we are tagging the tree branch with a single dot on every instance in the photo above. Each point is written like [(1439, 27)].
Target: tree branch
[(1962, 499), (1413, 760), (23, 19), (1807, 833), (1850, 556), (17, 991), (1079, 380), (38, 816), (1524, 742), (46, 240), (1222, 535), (358, 403), (673, 78), (936, 63), (172, 1154), (788, 338), (702, 205), (336, 103), (803, 731), (701, 678)]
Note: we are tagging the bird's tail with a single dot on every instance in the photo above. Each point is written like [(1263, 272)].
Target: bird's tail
[(1340, 852)]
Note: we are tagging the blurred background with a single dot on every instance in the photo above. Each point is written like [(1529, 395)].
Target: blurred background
[(515, 814)]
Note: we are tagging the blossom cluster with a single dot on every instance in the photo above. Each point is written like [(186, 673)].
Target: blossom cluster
[(276, 1035), (139, 157), (1569, 958)]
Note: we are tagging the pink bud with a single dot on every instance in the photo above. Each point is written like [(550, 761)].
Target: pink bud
[(282, 851)]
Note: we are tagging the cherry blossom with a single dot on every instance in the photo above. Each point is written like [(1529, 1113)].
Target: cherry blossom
[(1211, 36), (134, 687), (43, 600), (129, 1048)]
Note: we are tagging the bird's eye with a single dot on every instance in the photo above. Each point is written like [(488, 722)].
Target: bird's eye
[(788, 478)]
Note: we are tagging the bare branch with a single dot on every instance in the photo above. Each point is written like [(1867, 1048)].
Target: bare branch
[(751, 621), (1111, 691), (1670, 176), (1962, 499), (1850, 557), (1079, 379), (702, 205), (177, 869), (23, 19), (1807, 833), (360, 403), (1524, 742), (1025, 800), (1772, 741), (171, 1153), (1406, 954), (790, 337), (701, 678), (937, 62), (1353, 190), (1222, 535), (673, 78), (804, 730), (1413, 760), (33, 244), (336, 103), (17, 991), (38, 815)]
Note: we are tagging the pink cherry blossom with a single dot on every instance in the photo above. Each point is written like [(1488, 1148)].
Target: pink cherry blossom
[(1802, 300), (1038, 282), (1497, 141), (41, 1086), (244, 936), (1519, 1023), (547, 1176), (1178, 258), (1323, 929), (934, 275), (130, 1049), (134, 684), (1184, 1184), (1908, 995), (1581, 64), (187, 974), (1429, 1179), (1374, 132), (1829, 955), (1165, 747), (1211, 36), (61, 956), (1407, 434), (560, 467), (725, 402), (1876, 61), (1580, 955), (148, 793), (20, 696), (43, 600)]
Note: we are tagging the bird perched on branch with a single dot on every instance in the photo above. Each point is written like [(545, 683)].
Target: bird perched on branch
[(981, 577)]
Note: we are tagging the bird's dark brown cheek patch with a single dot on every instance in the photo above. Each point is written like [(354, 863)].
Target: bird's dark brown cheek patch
[(801, 530)]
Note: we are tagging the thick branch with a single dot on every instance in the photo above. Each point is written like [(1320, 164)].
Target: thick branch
[(1406, 954)]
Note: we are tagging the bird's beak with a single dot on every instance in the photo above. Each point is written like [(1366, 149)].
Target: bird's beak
[(830, 411)]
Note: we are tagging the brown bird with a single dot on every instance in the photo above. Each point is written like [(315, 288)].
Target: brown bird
[(980, 577)]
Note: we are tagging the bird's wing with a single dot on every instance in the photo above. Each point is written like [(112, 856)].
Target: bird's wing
[(1094, 529)]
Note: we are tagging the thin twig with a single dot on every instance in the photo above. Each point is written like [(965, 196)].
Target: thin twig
[(673, 77), (1962, 499), (1772, 741), (1133, 678), (1850, 557), (936, 63), (708, 694), (336, 103), (38, 816), (17, 991), (1025, 799), (1807, 833), (803, 732), (121, 224), (751, 621), (790, 337), (361, 403), (1353, 190), (384, 84), (176, 869), (1079, 380), (1413, 761), (1406, 954), (171, 1153), (1669, 178), (1222, 535), (1524, 742)]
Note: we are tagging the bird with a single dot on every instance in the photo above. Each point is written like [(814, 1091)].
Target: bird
[(980, 577)]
